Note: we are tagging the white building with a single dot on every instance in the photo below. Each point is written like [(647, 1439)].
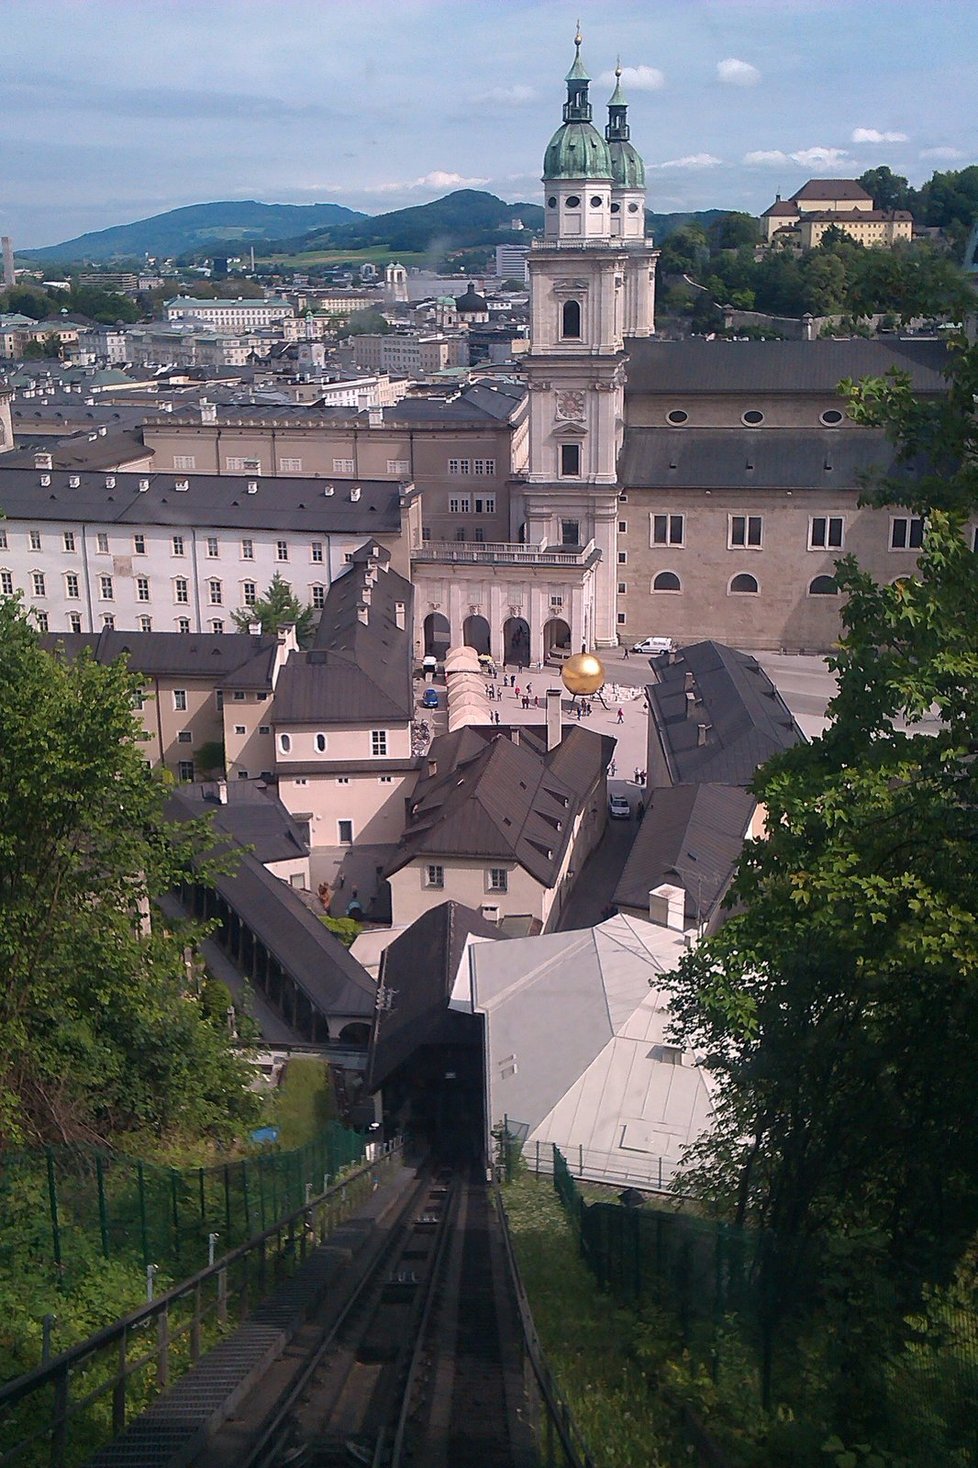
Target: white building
[(236, 315)]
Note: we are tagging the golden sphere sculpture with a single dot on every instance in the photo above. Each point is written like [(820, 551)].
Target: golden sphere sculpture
[(582, 673)]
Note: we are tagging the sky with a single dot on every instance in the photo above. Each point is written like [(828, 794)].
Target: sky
[(114, 110)]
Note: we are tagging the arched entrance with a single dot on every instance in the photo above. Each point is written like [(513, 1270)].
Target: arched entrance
[(516, 640), (556, 638), (475, 633), (437, 635)]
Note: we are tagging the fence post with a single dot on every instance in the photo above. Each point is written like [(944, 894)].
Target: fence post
[(195, 1328), (141, 1178), (59, 1427), (53, 1204), (222, 1296), (103, 1217), (203, 1205), (119, 1389), (163, 1349)]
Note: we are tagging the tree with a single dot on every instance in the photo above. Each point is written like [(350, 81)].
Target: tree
[(838, 1006), (279, 607), (731, 231), (367, 322), (889, 190), (97, 1035)]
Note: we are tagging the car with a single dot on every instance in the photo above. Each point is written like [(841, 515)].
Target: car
[(656, 647), (429, 699), (619, 808)]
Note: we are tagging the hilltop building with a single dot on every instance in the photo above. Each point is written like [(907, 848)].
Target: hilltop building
[(833, 203)]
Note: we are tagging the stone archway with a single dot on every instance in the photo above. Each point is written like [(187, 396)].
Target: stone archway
[(475, 633), (437, 635), (516, 641), (556, 638)]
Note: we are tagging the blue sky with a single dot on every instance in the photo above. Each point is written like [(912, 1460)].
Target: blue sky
[(117, 109)]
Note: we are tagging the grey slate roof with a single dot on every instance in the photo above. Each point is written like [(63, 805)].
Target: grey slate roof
[(211, 499), (753, 458), (491, 797), (698, 366), (418, 971), (355, 672), (234, 657), (691, 837), (252, 816), (80, 451), (748, 719)]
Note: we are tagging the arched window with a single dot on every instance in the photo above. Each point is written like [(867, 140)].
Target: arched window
[(823, 586), (570, 320), (667, 581), (744, 585), (285, 742), (320, 743)]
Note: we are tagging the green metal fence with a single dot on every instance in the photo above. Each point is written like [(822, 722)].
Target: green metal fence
[(82, 1200)]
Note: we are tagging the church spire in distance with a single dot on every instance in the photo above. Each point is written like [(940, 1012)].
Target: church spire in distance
[(617, 130), (577, 108)]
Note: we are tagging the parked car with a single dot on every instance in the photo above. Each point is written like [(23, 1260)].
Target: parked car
[(429, 699), (619, 808), (656, 647)]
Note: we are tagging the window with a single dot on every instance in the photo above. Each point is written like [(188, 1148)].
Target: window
[(264, 728), (398, 466), (676, 416), (343, 466), (622, 588), (213, 549), (249, 593), (623, 558), (385, 779), (281, 550), (184, 461), (102, 543), (319, 741), (667, 581), (181, 590), (460, 533), (243, 466), (484, 466), (667, 529), (139, 545), (825, 532), (622, 527), (342, 779), (752, 418), (318, 597), (178, 545), (744, 532), (831, 417), (434, 876), (185, 737), (485, 504), (460, 466), (459, 506), (183, 624), (34, 537), (823, 586), (572, 202), (238, 696), (570, 319), (180, 700), (498, 880), (37, 583), (3, 540), (906, 532), (744, 585), (142, 588), (285, 743), (69, 540), (570, 532), (108, 621), (316, 552), (105, 588), (215, 592), (185, 769), (247, 550), (6, 583), (72, 589), (556, 603), (219, 698), (41, 618), (344, 830), (290, 466), (570, 460), (217, 626), (378, 741), (145, 624), (622, 619), (74, 621)]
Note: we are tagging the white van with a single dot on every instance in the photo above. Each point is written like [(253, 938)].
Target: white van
[(656, 647)]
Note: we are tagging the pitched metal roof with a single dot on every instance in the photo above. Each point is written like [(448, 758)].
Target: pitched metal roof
[(752, 458), (691, 837), (699, 366), (831, 188), (747, 719), (250, 814), (231, 657)]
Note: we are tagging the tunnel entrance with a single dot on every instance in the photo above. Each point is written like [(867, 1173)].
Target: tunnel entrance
[(435, 1100)]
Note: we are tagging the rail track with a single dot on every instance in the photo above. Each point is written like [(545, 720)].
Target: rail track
[(418, 1368)]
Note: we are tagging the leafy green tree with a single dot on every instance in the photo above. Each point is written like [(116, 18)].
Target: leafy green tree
[(731, 231), (838, 1006), (97, 1035), (368, 322), (34, 351), (209, 758), (346, 929), (279, 607), (889, 190)]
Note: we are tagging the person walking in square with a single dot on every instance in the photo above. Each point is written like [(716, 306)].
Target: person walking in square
[(621, 716)]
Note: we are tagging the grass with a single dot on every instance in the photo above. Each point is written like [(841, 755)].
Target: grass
[(303, 1103), (375, 253), (586, 1337)]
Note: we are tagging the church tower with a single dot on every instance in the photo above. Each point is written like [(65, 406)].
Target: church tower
[(586, 291)]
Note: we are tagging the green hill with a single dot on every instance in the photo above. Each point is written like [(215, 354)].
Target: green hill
[(464, 218), (204, 228)]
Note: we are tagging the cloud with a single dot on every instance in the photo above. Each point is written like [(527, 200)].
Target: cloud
[(767, 155), (515, 96), (635, 79), (873, 135), (437, 179), (820, 157), (948, 155), (734, 73), (691, 160)]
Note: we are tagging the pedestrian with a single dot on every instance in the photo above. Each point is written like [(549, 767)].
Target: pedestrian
[(519, 669), (517, 690), (536, 700), (497, 716), (526, 702), (643, 777), (621, 716), (529, 690), (637, 773), (611, 770), (578, 710), (626, 654)]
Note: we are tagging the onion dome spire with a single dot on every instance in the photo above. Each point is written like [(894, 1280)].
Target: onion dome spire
[(577, 108)]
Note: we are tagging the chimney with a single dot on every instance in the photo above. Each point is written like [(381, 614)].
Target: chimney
[(808, 327), (74, 481), (703, 734), (375, 417), (355, 493), (222, 792), (514, 736), (208, 411), (667, 906), (692, 700), (254, 629), (366, 595), (42, 461), (553, 718), (400, 614), (363, 613)]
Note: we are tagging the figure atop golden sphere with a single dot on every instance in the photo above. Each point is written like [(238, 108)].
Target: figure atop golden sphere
[(582, 673)]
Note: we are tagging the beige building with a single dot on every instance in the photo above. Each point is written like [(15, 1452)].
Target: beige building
[(411, 355), (237, 315), (834, 203)]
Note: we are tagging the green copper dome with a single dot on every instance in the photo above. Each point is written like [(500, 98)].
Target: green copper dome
[(577, 150), (627, 168)]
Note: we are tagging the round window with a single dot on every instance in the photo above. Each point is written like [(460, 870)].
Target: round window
[(552, 202), (753, 416), (596, 201), (320, 743), (831, 417), (616, 208), (572, 201), (285, 743), (633, 208), (677, 416)]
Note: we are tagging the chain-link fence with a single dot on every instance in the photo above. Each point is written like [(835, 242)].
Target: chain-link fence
[(795, 1331)]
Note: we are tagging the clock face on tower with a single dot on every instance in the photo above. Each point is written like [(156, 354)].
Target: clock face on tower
[(570, 404)]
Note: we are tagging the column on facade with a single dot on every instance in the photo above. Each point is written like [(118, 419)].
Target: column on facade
[(458, 607), (605, 630)]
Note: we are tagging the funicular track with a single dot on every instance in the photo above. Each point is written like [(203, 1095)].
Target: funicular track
[(419, 1368)]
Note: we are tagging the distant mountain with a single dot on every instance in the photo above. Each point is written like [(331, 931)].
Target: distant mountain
[(463, 219), (661, 226), (197, 227)]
